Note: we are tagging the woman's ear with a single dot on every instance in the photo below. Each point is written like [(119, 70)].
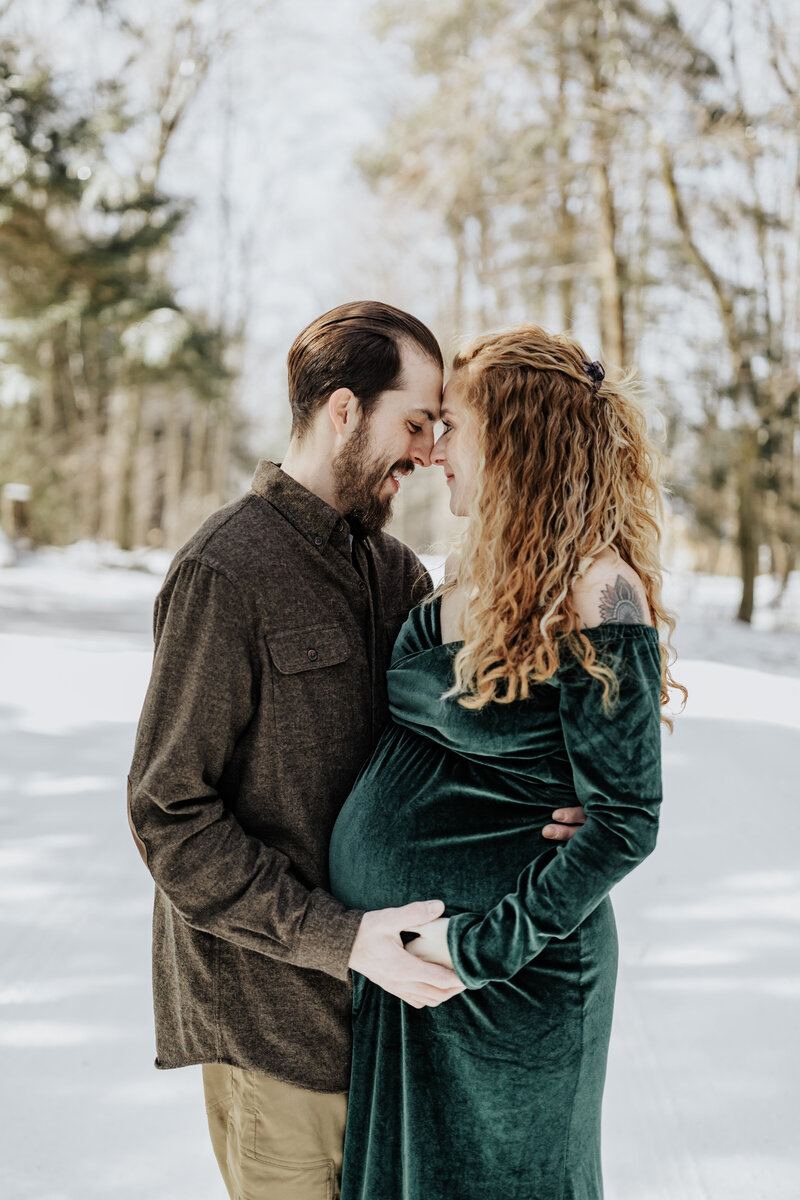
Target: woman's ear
[(343, 407)]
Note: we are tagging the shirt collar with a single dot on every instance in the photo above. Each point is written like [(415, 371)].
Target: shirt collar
[(312, 516)]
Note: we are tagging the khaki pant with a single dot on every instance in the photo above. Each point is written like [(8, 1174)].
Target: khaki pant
[(274, 1141)]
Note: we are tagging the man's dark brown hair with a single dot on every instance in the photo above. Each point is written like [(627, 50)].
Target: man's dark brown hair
[(356, 346)]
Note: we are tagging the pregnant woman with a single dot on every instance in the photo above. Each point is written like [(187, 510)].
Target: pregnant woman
[(533, 679)]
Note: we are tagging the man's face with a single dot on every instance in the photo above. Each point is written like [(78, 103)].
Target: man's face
[(396, 436)]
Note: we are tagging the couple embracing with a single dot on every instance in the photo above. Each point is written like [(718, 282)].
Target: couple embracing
[(383, 821)]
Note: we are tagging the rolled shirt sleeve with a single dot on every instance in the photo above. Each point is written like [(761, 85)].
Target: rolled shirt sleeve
[(202, 695), (616, 767)]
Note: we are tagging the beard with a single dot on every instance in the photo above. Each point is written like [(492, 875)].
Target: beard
[(359, 480)]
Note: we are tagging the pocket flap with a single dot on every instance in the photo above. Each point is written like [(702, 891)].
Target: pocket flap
[(308, 649)]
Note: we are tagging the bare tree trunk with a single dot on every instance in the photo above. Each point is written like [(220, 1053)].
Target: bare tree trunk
[(566, 283), (747, 532), (747, 537), (789, 563), (485, 272), (145, 488), (93, 435), (458, 283), (126, 469), (220, 455), (93, 482), (197, 481), (112, 453), (64, 399), (566, 220), (173, 473), (612, 315)]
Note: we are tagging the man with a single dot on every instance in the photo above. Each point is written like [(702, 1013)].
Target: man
[(273, 632)]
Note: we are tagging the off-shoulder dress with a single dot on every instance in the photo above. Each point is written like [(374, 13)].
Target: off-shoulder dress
[(496, 1093)]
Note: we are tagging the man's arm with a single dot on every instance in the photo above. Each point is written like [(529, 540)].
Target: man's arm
[(202, 695)]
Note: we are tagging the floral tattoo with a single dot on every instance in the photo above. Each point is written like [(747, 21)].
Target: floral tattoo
[(619, 604)]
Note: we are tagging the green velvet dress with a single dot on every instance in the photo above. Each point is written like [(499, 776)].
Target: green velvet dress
[(496, 1094)]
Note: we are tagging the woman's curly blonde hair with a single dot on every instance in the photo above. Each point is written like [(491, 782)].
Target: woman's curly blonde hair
[(567, 470)]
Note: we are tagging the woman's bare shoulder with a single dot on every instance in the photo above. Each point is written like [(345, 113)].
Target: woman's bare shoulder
[(609, 592)]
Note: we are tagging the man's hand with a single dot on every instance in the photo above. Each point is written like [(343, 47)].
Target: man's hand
[(378, 952), (568, 823)]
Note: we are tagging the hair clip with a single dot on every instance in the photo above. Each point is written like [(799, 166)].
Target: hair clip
[(595, 372)]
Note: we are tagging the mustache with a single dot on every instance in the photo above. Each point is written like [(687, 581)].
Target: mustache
[(405, 465)]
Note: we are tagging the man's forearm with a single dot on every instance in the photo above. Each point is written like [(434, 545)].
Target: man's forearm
[(224, 882)]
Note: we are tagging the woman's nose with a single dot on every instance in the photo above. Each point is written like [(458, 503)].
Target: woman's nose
[(422, 450)]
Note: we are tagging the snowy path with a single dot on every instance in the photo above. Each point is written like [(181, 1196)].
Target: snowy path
[(703, 1092)]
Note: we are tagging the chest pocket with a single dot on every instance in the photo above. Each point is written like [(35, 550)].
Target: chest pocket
[(313, 690)]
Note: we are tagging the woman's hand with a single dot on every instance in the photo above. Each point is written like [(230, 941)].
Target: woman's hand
[(567, 822), (432, 943)]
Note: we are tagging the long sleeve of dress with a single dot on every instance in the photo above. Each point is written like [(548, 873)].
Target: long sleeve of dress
[(616, 766)]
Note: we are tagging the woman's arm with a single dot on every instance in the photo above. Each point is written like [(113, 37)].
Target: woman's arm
[(616, 767)]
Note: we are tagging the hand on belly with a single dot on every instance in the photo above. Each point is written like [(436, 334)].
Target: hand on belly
[(432, 943)]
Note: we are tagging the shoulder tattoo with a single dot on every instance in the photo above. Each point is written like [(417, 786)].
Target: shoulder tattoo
[(619, 604)]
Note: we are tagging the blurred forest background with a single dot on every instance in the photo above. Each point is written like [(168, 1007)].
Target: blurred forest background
[(185, 184)]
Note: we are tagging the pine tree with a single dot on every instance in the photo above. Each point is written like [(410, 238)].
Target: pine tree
[(99, 356)]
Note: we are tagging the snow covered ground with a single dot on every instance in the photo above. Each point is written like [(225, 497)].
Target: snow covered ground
[(703, 1089)]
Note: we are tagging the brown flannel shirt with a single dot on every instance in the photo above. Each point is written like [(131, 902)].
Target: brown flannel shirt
[(267, 695)]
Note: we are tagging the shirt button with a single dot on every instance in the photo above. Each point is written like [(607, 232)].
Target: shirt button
[(312, 655), (362, 587), (339, 526), (317, 540)]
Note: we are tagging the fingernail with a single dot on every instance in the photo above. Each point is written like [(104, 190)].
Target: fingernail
[(548, 831), (434, 906)]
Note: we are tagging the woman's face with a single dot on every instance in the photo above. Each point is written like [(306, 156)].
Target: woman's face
[(457, 451)]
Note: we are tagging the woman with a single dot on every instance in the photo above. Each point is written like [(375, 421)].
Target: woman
[(533, 679)]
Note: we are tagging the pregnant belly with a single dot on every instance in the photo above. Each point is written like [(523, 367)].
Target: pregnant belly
[(425, 823)]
